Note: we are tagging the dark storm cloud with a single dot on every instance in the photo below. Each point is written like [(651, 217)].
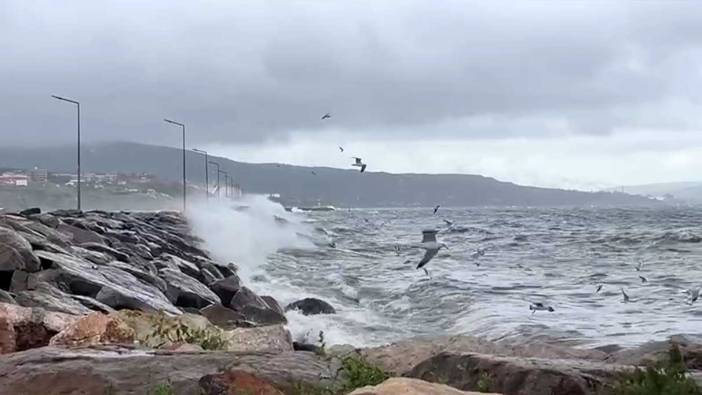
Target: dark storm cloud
[(250, 71)]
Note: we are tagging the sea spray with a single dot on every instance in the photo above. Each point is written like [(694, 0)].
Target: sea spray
[(250, 230)]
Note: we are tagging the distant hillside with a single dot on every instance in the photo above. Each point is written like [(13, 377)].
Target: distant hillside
[(298, 185)]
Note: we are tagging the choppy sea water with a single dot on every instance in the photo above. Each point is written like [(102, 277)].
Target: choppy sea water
[(554, 256)]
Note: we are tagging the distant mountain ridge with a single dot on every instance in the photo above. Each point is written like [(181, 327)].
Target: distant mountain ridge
[(299, 185), (682, 191)]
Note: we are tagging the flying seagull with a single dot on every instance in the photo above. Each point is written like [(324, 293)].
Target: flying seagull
[(341, 148), (314, 172), (643, 279), (326, 116), (624, 296), (431, 246), (436, 208), (449, 223), (359, 163), (539, 307), (599, 288)]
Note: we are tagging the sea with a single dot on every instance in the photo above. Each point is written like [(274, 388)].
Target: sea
[(363, 263)]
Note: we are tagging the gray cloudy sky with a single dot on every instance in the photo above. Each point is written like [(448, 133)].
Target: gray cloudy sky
[(570, 94)]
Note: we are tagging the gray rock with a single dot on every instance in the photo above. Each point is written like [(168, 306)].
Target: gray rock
[(655, 351), (222, 316), (185, 291), (400, 357), (46, 219), (263, 316), (109, 285), (51, 298), (16, 252), (246, 297), (518, 375), (226, 288), (311, 306), (80, 236), (122, 257), (30, 211), (120, 370), (273, 304), (6, 297)]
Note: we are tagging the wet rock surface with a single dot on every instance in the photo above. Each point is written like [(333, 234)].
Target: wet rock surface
[(79, 262), (129, 370), (311, 306)]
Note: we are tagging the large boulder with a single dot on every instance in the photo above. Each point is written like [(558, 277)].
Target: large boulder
[(236, 382), (127, 370), (185, 291), (222, 316), (407, 386), (22, 328), (226, 288), (518, 375), (400, 357), (16, 252), (270, 339), (92, 329), (246, 297), (311, 306), (655, 351), (51, 298), (108, 285)]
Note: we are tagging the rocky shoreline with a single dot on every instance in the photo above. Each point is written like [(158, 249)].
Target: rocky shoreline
[(129, 303)]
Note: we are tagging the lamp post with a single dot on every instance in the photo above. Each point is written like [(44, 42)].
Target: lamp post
[(78, 174), (207, 179), (218, 171), (225, 181), (183, 127)]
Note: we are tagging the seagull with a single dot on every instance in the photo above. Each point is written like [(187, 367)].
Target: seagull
[(313, 172), (643, 279), (539, 307), (359, 163), (449, 223), (326, 116), (478, 253), (397, 249), (431, 246), (625, 296), (436, 208), (694, 294), (599, 288), (341, 148), (640, 265)]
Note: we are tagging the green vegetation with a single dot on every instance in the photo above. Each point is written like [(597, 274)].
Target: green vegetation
[(169, 330), (484, 382), (666, 378), (162, 389), (359, 373)]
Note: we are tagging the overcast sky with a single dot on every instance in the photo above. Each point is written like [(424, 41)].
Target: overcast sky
[(569, 94)]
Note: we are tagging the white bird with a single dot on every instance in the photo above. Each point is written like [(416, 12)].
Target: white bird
[(694, 294), (359, 163), (539, 307), (341, 148), (326, 116), (431, 246)]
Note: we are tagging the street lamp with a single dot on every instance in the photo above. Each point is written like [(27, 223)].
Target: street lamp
[(207, 179), (78, 107), (218, 171), (183, 127), (225, 181)]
